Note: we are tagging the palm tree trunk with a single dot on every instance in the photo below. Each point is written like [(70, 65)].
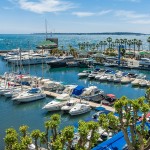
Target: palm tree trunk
[(134, 50), (36, 145)]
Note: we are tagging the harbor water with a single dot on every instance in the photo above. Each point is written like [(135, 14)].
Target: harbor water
[(31, 114)]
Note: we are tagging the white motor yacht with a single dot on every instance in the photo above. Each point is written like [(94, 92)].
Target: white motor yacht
[(125, 80), (85, 73), (4, 90), (66, 93), (148, 83), (79, 108), (69, 105), (117, 79), (92, 75), (136, 82), (143, 83), (110, 78), (92, 93), (98, 76), (103, 77), (12, 92), (30, 95), (54, 105)]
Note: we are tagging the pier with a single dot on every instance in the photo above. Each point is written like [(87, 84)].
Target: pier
[(92, 104)]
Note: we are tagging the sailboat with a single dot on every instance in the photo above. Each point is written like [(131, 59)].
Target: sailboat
[(31, 95)]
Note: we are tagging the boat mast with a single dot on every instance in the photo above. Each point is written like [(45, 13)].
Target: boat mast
[(20, 67), (46, 27)]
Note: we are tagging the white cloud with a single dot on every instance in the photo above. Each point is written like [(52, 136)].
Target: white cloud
[(88, 14), (8, 8), (133, 17), (103, 12), (140, 21), (42, 6), (129, 14), (83, 14), (130, 0)]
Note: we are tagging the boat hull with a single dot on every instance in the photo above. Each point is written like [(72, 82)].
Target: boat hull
[(74, 113), (29, 99)]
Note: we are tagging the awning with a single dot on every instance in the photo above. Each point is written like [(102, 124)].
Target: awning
[(47, 44)]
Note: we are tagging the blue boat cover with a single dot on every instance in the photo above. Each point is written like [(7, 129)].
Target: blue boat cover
[(78, 90), (99, 108), (117, 142), (33, 90)]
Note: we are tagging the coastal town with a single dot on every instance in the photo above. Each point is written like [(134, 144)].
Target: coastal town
[(74, 75), (99, 63)]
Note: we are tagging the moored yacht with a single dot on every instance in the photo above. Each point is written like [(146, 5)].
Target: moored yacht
[(60, 62), (30, 95), (66, 93), (143, 83), (136, 82), (69, 105), (85, 73), (92, 94), (54, 105), (144, 64), (125, 80), (79, 108)]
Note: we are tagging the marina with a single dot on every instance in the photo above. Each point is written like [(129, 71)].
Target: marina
[(31, 112), (74, 75)]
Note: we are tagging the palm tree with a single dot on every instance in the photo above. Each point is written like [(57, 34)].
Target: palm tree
[(113, 45), (54, 123), (125, 43), (97, 46), (79, 44), (87, 45), (104, 43), (121, 41), (93, 46), (84, 45), (101, 44), (129, 43), (36, 134), (148, 95), (139, 43), (109, 40), (23, 130), (117, 41), (47, 127), (134, 43), (67, 135), (148, 40), (70, 47), (93, 126)]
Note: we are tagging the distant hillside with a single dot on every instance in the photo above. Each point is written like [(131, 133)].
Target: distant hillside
[(103, 33)]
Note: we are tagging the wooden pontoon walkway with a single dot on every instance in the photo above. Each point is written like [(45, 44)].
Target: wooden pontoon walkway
[(92, 104)]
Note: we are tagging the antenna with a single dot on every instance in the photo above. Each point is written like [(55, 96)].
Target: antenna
[(46, 27)]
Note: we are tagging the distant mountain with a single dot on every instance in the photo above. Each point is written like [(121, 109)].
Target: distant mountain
[(103, 33)]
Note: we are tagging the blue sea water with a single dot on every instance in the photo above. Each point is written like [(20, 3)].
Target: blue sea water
[(26, 41), (14, 115)]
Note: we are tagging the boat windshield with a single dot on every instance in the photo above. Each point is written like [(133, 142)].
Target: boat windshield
[(33, 91)]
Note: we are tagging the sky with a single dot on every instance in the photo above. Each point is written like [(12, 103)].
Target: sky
[(75, 16)]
